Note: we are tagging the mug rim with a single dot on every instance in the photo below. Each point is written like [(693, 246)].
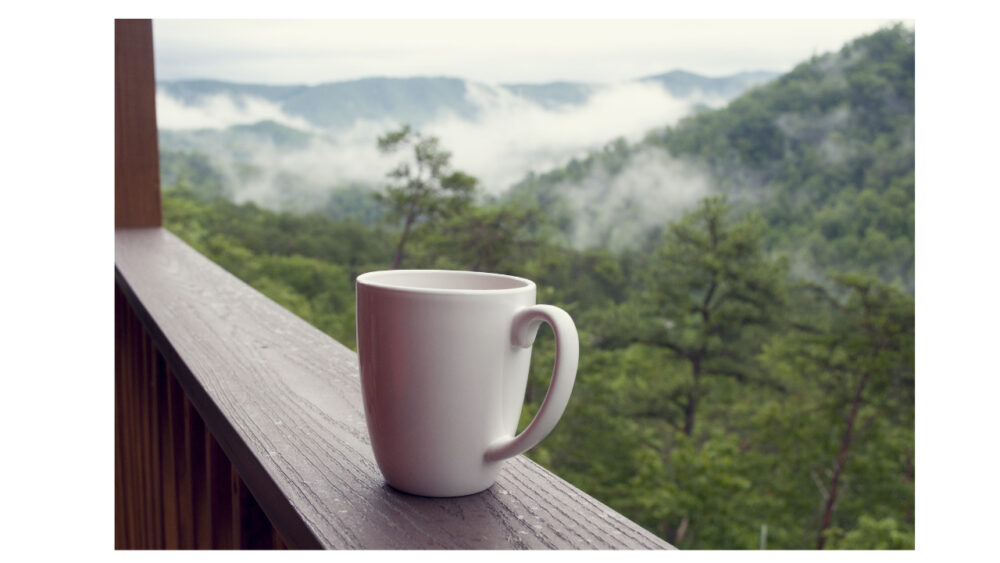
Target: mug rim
[(371, 279)]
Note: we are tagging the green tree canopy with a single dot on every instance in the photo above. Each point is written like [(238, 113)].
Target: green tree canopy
[(710, 293), (424, 189)]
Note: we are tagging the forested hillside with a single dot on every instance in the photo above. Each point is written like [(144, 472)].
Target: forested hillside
[(746, 374), (825, 153)]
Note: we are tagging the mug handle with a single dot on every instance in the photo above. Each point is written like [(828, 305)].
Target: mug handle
[(523, 331)]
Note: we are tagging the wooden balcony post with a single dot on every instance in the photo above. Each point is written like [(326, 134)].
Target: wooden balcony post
[(137, 162)]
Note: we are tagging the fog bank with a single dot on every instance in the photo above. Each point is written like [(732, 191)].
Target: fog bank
[(509, 136)]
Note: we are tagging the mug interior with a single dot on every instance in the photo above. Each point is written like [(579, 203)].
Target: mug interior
[(446, 280)]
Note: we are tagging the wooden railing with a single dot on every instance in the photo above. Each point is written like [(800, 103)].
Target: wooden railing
[(241, 425), (174, 485)]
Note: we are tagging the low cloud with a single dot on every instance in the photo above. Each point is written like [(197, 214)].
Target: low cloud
[(616, 211), (509, 137), (221, 111), (512, 135)]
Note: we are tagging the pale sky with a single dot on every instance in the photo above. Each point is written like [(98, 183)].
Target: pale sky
[(492, 51)]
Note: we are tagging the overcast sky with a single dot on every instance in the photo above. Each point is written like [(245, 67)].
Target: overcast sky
[(493, 51)]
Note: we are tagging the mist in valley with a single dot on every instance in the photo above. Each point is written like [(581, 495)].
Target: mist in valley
[(283, 161)]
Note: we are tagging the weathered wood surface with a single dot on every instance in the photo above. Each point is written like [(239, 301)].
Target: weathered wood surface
[(284, 402)]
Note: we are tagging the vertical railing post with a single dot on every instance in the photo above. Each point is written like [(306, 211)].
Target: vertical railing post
[(137, 162)]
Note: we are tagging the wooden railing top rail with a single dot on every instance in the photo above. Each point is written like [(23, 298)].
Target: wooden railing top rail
[(284, 402)]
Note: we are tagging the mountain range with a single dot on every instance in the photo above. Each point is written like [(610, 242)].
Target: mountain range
[(336, 106)]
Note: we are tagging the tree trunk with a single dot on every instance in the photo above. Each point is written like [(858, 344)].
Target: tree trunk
[(402, 241), (692, 401), (679, 536), (838, 469)]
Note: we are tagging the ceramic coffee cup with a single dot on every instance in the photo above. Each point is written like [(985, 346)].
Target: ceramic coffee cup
[(444, 365)]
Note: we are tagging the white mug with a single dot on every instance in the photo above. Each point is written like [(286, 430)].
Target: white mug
[(444, 365)]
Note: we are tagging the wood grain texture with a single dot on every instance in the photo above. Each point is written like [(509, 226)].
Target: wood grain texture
[(137, 159), (284, 402)]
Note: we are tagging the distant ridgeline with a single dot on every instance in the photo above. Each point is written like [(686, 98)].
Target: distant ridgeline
[(825, 153), (282, 157), (338, 105)]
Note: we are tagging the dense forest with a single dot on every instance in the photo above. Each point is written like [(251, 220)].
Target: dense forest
[(746, 375)]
